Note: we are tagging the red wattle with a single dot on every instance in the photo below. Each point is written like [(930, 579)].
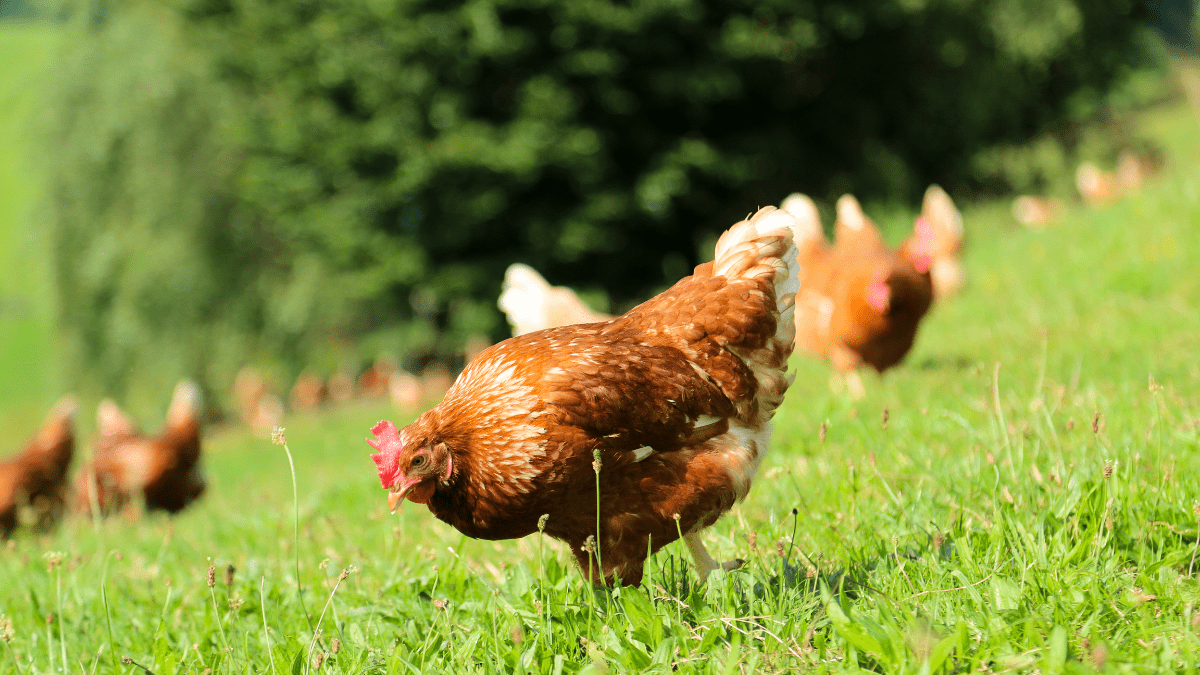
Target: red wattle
[(421, 493), (879, 295)]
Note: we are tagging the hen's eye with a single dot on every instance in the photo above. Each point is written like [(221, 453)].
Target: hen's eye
[(418, 461)]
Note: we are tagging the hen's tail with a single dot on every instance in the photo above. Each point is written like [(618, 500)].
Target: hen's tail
[(185, 405), (112, 422), (532, 304), (59, 425), (523, 298), (761, 251), (808, 219), (854, 229), (947, 223), (809, 235)]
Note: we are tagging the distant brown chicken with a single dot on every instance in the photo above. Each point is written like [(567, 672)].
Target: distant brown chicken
[(37, 478), (1134, 169), (308, 392), (373, 382), (257, 404), (859, 302), (1096, 187), (163, 472), (1037, 212)]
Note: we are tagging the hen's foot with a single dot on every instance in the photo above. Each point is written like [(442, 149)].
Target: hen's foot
[(705, 564), (855, 386)]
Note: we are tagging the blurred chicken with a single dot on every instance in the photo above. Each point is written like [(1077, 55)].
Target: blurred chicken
[(1096, 187), (373, 382), (859, 303), (1134, 169), (853, 231), (340, 387), (406, 391), (474, 346), (532, 304), (260, 408), (37, 478), (164, 471), (1036, 212), (436, 381), (308, 392), (939, 214)]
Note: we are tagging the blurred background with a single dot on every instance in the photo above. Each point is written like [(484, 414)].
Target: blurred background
[(190, 187)]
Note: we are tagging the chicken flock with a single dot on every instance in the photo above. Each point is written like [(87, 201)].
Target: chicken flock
[(128, 470), (1096, 187), (620, 434), (614, 434)]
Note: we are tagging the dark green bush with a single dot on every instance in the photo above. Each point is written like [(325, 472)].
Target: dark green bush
[(309, 182)]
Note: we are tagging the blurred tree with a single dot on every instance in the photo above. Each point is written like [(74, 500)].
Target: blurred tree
[(17, 9), (247, 179)]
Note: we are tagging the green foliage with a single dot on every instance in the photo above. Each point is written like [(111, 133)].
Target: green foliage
[(241, 179)]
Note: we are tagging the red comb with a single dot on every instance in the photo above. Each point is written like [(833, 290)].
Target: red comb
[(389, 446)]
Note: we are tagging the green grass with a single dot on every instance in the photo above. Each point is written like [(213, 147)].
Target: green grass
[(978, 531)]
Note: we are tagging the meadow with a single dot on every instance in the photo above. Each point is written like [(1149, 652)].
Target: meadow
[(1020, 496)]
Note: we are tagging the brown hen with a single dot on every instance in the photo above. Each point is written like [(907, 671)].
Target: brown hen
[(667, 407), (163, 471), (37, 478), (859, 303)]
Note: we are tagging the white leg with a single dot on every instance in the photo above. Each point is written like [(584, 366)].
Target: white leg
[(855, 385), (704, 562)]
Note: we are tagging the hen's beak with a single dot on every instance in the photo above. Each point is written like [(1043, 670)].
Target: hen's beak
[(396, 496)]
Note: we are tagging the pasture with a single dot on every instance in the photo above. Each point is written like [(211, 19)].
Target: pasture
[(1020, 496)]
